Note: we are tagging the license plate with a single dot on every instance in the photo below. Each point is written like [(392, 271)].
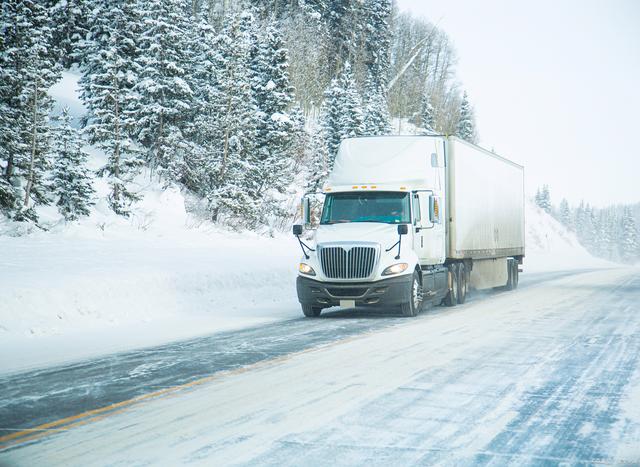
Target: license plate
[(348, 303)]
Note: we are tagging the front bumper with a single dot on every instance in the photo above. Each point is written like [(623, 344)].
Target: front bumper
[(386, 292)]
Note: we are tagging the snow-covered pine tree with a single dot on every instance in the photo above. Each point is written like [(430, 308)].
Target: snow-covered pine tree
[(545, 199), (376, 110), (12, 55), (271, 162), (427, 116), (70, 179), (70, 22), (578, 219), (318, 161), (589, 229), (465, 128), (233, 122), (604, 241), (629, 243), (165, 96), (330, 113), (538, 198), (377, 43), (109, 75), (351, 117), (192, 166), (564, 215), (28, 69)]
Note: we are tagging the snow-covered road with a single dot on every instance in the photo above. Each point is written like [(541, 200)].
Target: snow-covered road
[(550, 373)]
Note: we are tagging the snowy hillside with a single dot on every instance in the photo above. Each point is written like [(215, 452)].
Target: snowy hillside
[(550, 246)]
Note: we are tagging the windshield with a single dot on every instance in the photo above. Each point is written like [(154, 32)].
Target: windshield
[(386, 207)]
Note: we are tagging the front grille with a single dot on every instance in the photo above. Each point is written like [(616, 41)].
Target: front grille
[(354, 263), (347, 291)]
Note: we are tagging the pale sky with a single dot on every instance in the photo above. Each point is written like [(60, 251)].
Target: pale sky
[(555, 86)]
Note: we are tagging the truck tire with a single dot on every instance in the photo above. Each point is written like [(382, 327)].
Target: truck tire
[(463, 283), (512, 272), (452, 296), (516, 275), (414, 305), (311, 311)]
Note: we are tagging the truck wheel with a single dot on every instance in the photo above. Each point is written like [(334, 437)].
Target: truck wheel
[(463, 284), (516, 275), (311, 311), (512, 272), (452, 297), (413, 306)]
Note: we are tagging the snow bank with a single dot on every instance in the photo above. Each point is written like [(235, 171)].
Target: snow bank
[(67, 295), (550, 246)]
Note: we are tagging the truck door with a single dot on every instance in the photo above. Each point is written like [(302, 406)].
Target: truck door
[(429, 235)]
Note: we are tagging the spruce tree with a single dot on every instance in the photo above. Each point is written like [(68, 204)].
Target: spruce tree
[(377, 43), (330, 114), (70, 21), (28, 68), (341, 114), (233, 122), (351, 117), (270, 163), (70, 179), (107, 84), (565, 214), (465, 128), (163, 87), (318, 161), (629, 243), (376, 111), (427, 116), (545, 199)]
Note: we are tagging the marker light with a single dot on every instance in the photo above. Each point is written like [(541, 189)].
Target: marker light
[(395, 269), (306, 269)]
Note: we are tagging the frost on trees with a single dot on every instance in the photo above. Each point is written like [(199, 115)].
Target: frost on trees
[(629, 242), (163, 90), (341, 113), (465, 128), (270, 164), (107, 83), (28, 68), (70, 178), (427, 116), (543, 199), (376, 111)]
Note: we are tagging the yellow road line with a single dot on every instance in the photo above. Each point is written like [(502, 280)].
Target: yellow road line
[(83, 418)]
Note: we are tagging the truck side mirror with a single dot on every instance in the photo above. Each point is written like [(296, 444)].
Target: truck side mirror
[(297, 230), (306, 211), (403, 229)]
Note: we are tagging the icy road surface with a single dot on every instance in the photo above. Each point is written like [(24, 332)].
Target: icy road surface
[(548, 374)]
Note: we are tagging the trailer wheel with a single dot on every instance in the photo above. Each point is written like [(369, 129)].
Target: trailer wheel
[(463, 283), (413, 306), (311, 311), (452, 297), (512, 272)]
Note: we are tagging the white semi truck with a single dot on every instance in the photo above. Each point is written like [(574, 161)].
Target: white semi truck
[(410, 220)]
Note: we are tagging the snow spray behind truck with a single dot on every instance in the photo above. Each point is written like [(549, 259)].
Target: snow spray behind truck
[(409, 220)]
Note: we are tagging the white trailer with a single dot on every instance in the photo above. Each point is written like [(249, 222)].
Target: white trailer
[(409, 220)]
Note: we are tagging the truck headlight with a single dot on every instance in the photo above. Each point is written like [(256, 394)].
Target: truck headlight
[(395, 269), (306, 269)]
